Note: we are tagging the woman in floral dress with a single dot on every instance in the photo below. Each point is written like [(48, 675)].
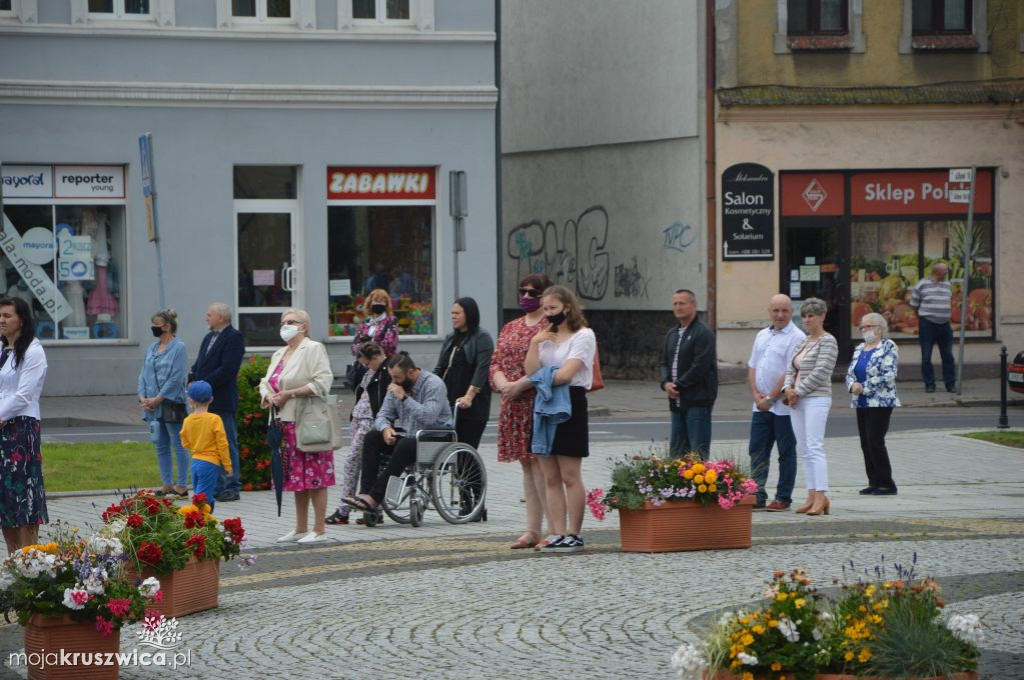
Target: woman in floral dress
[(515, 419)]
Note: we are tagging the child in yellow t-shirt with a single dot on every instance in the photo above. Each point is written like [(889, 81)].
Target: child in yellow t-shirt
[(203, 434)]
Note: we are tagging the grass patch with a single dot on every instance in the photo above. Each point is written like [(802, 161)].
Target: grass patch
[(1013, 438), (99, 465)]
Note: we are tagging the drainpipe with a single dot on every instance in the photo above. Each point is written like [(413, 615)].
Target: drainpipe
[(709, 163), (497, 164)]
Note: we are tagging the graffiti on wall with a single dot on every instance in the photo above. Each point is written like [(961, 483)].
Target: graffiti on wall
[(678, 236), (630, 281), (574, 256)]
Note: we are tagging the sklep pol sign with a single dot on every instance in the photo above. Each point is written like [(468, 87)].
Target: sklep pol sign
[(748, 213)]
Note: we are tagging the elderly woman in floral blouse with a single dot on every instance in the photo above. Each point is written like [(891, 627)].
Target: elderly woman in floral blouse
[(871, 379)]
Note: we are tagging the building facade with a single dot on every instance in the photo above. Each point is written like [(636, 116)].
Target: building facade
[(603, 162), (300, 153), (851, 114)]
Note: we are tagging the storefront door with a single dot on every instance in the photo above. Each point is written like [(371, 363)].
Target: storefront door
[(815, 265), (268, 280)]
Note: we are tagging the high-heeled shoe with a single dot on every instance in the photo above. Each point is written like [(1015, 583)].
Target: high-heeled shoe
[(821, 507), (812, 496)]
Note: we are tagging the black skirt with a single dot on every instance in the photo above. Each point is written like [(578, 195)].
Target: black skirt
[(572, 438)]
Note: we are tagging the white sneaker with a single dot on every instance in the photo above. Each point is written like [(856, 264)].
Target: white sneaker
[(313, 537), (292, 537)]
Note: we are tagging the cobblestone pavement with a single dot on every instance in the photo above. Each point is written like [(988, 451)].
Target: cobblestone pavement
[(447, 601)]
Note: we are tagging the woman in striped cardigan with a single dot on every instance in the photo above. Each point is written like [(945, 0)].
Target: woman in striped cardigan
[(808, 393)]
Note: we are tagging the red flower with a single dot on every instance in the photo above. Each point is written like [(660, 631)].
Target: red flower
[(152, 506), (135, 520), (197, 542), (119, 606), (199, 499), (234, 527), (150, 553), (194, 519), (247, 487), (104, 627), (113, 510)]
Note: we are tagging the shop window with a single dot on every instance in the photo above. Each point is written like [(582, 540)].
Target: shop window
[(388, 247), (948, 241)]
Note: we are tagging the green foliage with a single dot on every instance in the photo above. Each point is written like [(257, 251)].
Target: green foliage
[(251, 420)]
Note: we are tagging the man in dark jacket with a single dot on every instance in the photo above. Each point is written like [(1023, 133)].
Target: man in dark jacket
[(689, 375), (220, 356)]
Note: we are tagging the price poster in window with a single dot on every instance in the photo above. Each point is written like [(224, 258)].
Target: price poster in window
[(75, 262)]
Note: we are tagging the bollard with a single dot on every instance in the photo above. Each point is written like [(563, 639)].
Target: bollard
[(1004, 422)]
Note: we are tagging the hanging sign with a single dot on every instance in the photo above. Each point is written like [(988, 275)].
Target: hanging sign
[(748, 213)]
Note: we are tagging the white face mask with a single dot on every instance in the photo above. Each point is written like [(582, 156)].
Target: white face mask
[(869, 336), (288, 331)]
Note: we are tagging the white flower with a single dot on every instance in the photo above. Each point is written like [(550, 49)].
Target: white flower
[(788, 630), (816, 634), (825, 616), (104, 545), (746, 659), (967, 627), (75, 598), (150, 587), (689, 662), (727, 618), (114, 527), (94, 583)]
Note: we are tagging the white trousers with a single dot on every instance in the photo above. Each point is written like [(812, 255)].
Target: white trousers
[(808, 420)]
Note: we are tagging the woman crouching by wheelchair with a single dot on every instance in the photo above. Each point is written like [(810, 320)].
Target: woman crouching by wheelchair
[(369, 398), (560, 363), (416, 400)]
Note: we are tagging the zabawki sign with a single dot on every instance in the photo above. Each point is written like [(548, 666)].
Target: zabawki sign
[(748, 213)]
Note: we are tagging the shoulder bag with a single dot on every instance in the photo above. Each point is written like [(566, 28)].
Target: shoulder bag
[(317, 424), (597, 382), (171, 411)]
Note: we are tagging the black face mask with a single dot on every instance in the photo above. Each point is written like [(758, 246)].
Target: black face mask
[(378, 309), (157, 331), (556, 319)]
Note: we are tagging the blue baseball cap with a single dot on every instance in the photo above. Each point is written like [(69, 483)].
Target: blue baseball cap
[(200, 392)]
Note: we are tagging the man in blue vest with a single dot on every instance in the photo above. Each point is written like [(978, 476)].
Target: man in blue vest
[(218, 361)]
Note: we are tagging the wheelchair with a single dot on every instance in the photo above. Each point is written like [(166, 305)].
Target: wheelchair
[(448, 475)]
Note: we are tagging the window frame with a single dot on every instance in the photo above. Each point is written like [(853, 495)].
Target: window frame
[(10, 13), (421, 17), (118, 13), (939, 14), (814, 10), (262, 19), (852, 40)]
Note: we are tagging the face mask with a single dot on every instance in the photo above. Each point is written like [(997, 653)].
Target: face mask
[(157, 331), (529, 304), (288, 332), (869, 336), (378, 309), (556, 319)]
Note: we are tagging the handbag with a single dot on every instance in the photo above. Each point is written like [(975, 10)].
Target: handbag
[(598, 381), (318, 424), (172, 412)]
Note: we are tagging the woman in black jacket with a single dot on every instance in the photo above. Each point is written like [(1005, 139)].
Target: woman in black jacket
[(369, 396), (463, 365)]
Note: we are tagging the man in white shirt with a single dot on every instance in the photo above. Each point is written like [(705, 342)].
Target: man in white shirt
[(770, 425)]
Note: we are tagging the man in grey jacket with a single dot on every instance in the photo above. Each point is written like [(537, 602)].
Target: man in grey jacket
[(416, 400)]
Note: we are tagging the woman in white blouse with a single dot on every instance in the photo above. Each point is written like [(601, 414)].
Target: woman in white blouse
[(568, 346), (22, 372)]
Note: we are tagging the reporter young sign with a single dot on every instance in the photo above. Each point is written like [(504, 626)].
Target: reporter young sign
[(748, 213)]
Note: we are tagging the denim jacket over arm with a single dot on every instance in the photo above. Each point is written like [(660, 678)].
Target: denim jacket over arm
[(880, 380), (550, 407)]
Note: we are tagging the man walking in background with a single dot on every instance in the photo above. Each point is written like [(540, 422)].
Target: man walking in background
[(932, 298), (689, 376), (218, 361), (770, 424)]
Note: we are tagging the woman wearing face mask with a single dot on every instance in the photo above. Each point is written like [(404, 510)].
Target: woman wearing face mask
[(567, 348), (300, 369), (871, 380), (380, 326), (161, 393), (369, 396), (515, 418), (463, 365)]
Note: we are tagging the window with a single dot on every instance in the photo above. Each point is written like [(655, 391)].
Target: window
[(386, 14), (386, 10), (262, 10), (64, 248), (935, 17), (5, 7), (119, 9), (816, 17)]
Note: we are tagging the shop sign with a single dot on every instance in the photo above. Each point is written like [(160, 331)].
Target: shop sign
[(37, 281), (812, 194), (748, 213), (380, 183), (88, 181), (915, 193), (27, 181)]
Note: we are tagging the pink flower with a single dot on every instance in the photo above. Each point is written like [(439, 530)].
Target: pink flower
[(594, 502), (104, 627), (119, 606)]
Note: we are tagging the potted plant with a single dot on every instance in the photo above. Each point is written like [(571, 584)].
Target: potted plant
[(71, 595), (674, 504), (182, 546), (874, 629)]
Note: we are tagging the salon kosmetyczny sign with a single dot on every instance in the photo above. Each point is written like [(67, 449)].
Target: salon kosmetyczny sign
[(748, 213)]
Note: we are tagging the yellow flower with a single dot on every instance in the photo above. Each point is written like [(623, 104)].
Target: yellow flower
[(699, 479), (864, 655), (776, 666), (185, 509), (747, 639), (799, 602), (772, 623), (870, 590), (759, 629), (711, 476), (712, 487), (848, 656), (688, 474), (748, 676), (207, 517), (862, 608), (206, 508), (745, 620), (781, 597), (702, 488)]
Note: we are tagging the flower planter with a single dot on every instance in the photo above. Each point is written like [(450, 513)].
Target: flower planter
[(55, 635), (724, 675), (194, 588), (685, 525)]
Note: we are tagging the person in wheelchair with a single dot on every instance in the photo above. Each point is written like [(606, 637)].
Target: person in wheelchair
[(416, 400)]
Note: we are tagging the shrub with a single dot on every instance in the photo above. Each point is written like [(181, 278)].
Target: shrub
[(253, 450)]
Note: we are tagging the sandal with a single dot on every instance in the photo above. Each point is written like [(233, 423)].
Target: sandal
[(362, 522), (527, 540), (337, 518)]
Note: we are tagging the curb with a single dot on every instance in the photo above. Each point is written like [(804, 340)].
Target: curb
[(67, 421)]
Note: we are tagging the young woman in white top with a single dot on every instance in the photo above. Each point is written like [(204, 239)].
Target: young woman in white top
[(569, 345), (22, 372)]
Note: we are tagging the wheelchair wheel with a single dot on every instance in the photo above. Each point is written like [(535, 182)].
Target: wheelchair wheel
[(401, 513), (459, 484), (416, 512)]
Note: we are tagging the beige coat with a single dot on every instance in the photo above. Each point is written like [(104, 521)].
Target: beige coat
[(308, 365)]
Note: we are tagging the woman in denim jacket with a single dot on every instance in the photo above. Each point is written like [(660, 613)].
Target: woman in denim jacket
[(871, 380)]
